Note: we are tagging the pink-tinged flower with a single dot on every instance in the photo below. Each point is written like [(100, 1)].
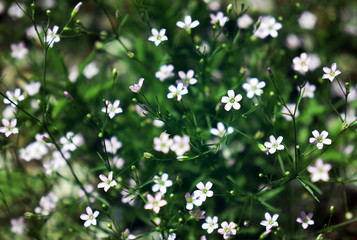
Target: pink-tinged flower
[(308, 90), (161, 183), (231, 100), (269, 221), (155, 203), (219, 17), (274, 144), (163, 143), (18, 50), (52, 37), (126, 235), (188, 24), (305, 220), (268, 26), (301, 64), (320, 139), (9, 127), (181, 145), (90, 217), (137, 87), (186, 78), (203, 191), (108, 182), (112, 109), (198, 214), (15, 97), (158, 37), (319, 171), (18, 225), (227, 230), (210, 224), (331, 73), (177, 91), (165, 72), (191, 201)]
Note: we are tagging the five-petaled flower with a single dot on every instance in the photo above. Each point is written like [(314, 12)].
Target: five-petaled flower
[(181, 145), (268, 26), (166, 71), (163, 143), (9, 127), (301, 64), (320, 139), (187, 78), (253, 87), (231, 100), (137, 86), (331, 73), (198, 214), (187, 24), (15, 97), (52, 36), (158, 37), (161, 183), (155, 203), (305, 220), (191, 201), (203, 191), (274, 144), (269, 221), (210, 224), (227, 230), (177, 91), (112, 108), (107, 181), (219, 18), (319, 171), (90, 217), (220, 131)]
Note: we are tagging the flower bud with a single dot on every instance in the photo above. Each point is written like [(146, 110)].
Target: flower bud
[(147, 155), (49, 13), (114, 73), (76, 9), (229, 9), (332, 209), (67, 95)]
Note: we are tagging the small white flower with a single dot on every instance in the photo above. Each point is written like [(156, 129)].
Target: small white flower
[(90, 70), (305, 220), (18, 50), (253, 87), (231, 100), (269, 221), (112, 109), (33, 88), (268, 26), (171, 236), (331, 73), (15, 97), (73, 73), (47, 204), (210, 224), (203, 191), (177, 91), (307, 20), (188, 24), (155, 203), (181, 145), (274, 144), (293, 41), (9, 127), (161, 183), (165, 72), (112, 145), (90, 217), (52, 37), (244, 21), (218, 17), (163, 143), (71, 141), (320, 139), (108, 182), (301, 64), (227, 230), (158, 37), (308, 90), (18, 225), (186, 78), (285, 112), (15, 12), (220, 131), (319, 171), (126, 235), (191, 201), (137, 87)]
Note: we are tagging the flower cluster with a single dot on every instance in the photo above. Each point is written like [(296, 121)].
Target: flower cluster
[(179, 145)]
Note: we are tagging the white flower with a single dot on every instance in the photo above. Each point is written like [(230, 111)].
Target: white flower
[(161, 183), (171, 236), (307, 20), (308, 90), (9, 127), (186, 78), (155, 203), (47, 204), (268, 26), (188, 24), (112, 145), (285, 112), (137, 87), (292, 41), (15, 97), (319, 171), (191, 201), (33, 88), (210, 224), (203, 191), (158, 37), (91, 70), (165, 72), (227, 230), (118, 162), (52, 37), (274, 144), (269, 221), (126, 235), (218, 17), (301, 64), (180, 145), (177, 91), (305, 220), (320, 139), (108, 182), (253, 87), (73, 73), (15, 12), (231, 101), (71, 141), (220, 131), (163, 143), (331, 73), (18, 50), (244, 21), (18, 225), (315, 61), (112, 109), (90, 217)]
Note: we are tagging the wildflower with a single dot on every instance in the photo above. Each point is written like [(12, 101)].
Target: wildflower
[(18, 225), (301, 64), (161, 183), (269, 221), (198, 214), (15, 11), (188, 24), (210, 224), (331, 73), (112, 145), (220, 131), (319, 171), (137, 87), (165, 72), (305, 220), (227, 230), (288, 110), (244, 21), (253, 87), (33, 88), (268, 26), (187, 78), (47, 204), (158, 37), (231, 100), (90, 217), (203, 191), (191, 201), (292, 41), (9, 127), (18, 50), (52, 37), (274, 144), (107, 181), (219, 17), (90, 190), (71, 141), (180, 145), (126, 235), (163, 143), (118, 162), (91, 70), (31, 32), (320, 139), (307, 20), (155, 203), (15, 97), (177, 91), (171, 236), (308, 90), (112, 109)]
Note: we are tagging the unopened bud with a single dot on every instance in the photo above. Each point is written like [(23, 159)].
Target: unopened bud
[(49, 13), (67, 95), (229, 9), (269, 70), (147, 155), (133, 167), (114, 73), (332, 209), (131, 55), (117, 14), (109, 226), (76, 9), (100, 135)]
